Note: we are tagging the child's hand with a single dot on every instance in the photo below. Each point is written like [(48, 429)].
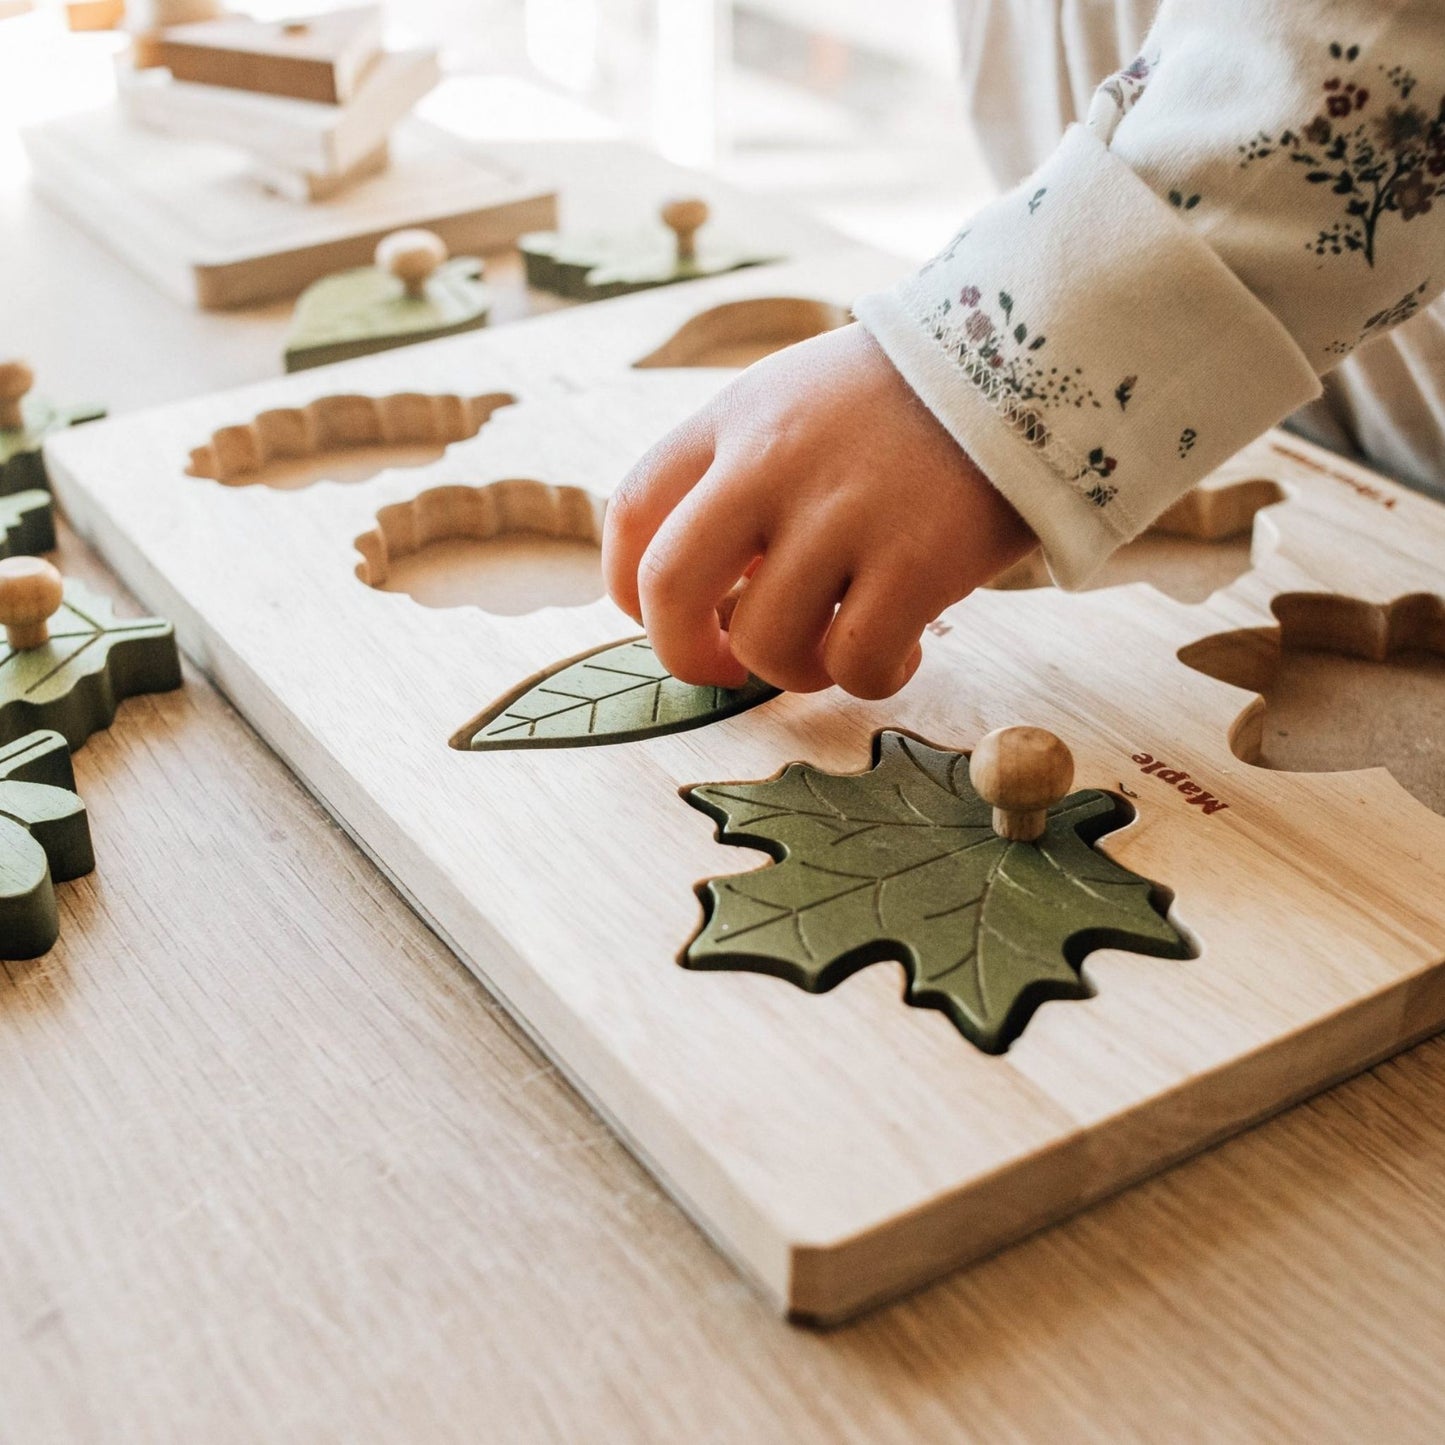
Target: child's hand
[(822, 467)]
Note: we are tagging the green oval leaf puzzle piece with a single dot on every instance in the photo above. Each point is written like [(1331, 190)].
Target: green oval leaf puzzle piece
[(27, 524), (44, 839), (93, 661), (902, 863), (615, 694), (355, 313)]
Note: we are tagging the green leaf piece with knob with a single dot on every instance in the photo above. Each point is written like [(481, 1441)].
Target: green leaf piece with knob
[(990, 897)]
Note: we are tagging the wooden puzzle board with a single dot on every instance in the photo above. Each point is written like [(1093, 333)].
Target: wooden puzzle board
[(192, 217), (841, 1147)]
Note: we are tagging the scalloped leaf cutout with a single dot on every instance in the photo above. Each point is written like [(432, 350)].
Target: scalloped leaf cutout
[(739, 333), (509, 548), (341, 438), (1342, 685), (1202, 543)]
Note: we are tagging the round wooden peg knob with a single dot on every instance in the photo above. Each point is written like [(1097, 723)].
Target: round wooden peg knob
[(411, 256), (16, 379), (684, 218), (31, 591), (1023, 772)]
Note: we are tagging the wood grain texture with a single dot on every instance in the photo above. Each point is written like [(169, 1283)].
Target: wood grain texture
[(869, 1181), (276, 1167)]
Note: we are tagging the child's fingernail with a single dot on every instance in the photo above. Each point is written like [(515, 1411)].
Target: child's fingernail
[(914, 662)]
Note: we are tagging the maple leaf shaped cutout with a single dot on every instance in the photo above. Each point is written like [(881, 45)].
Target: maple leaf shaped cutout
[(92, 661), (902, 863), (616, 694)]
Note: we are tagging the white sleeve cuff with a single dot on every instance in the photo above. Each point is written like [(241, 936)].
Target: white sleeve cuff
[(1091, 353)]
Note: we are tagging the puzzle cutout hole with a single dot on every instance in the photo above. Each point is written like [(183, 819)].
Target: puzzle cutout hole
[(1342, 684), (1202, 543), (739, 333), (509, 548), (341, 439)]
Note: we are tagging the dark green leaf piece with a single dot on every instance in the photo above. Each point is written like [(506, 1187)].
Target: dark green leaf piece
[(614, 694), (93, 661), (22, 466), (27, 524), (44, 839), (902, 863), (597, 267)]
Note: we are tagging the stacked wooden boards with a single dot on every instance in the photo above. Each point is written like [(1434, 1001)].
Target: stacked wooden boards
[(841, 1146), (191, 215)]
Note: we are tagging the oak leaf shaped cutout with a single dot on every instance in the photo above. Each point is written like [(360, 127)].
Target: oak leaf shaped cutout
[(92, 662), (614, 694), (901, 862)]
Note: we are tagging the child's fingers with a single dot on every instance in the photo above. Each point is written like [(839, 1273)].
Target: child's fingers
[(782, 615), (873, 646), (690, 566), (641, 504)]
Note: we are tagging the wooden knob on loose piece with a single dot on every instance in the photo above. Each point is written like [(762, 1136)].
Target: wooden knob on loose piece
[(16, 379), (1023, 772), (411, 256), (684, 218), (31, 591)]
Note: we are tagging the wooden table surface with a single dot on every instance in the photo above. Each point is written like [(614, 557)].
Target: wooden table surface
[(274, 1167)]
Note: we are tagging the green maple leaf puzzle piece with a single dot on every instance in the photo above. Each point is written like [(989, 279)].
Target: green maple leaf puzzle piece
[(355, 313), (92, 662), (44, 839), (615, 694), (22, 464), (27, 524), (596, 267), (902, 863)]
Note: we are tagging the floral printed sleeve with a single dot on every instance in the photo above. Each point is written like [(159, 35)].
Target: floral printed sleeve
[(1260, 192)]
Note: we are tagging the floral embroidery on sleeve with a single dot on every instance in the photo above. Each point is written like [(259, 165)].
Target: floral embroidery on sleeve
[(1383, 320), (1009, 365), (1381, 158)]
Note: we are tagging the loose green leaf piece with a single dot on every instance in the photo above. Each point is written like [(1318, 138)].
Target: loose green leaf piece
[(44, 839), (27, 524), (92, 662), (355, 313), (902, 863), (22, 466), (615, 694), (596, 268)]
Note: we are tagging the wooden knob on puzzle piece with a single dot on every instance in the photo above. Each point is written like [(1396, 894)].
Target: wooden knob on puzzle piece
[(31, 591), (16, 379), (411, 256), (1023, 772), (684, 218)]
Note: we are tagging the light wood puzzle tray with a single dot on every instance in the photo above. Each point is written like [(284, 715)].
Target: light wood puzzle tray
[(842, 1147)]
